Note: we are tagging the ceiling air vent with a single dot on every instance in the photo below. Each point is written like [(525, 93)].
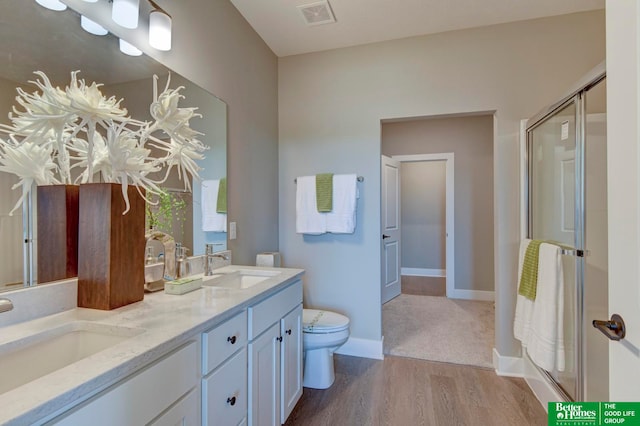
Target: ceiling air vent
[(317, 13)]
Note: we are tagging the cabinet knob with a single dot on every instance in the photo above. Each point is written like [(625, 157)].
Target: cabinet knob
[(279, 338), (232, 340), (231, 401), (288, 332)]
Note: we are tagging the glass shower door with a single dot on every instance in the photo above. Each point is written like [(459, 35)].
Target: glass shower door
[(555, 215)]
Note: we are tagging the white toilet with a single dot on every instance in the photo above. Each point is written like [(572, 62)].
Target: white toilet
[(322, 333)]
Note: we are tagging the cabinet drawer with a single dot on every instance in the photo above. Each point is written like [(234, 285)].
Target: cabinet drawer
[(264, 314), (141, 398), (224, 393), (221, 342)]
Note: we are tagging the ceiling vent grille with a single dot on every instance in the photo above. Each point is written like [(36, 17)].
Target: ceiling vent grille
[(317, 13)]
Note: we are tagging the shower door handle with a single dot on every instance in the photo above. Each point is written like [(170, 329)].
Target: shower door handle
[(614, 329)]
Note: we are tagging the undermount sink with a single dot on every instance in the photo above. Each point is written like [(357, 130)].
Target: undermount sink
[(35, 356), (241, 279)]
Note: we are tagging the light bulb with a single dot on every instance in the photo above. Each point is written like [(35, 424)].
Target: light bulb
[(160, 30), (92, 27), (52, 4), (129, 49), (125, 13)]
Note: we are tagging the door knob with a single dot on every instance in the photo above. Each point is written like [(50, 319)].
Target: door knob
[(614, 329), (384, 236)]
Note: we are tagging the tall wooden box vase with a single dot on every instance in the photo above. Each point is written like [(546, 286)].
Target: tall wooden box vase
[(57, 221), (110, 247)]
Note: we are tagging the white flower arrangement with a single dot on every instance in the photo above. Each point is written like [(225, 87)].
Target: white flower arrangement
[(58, 131)]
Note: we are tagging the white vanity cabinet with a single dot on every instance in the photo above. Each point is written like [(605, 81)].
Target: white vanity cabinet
[(158, 394), (275, 356)]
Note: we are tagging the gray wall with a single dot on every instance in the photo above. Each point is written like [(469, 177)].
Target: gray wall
[(470, 138), (423, 209), (330, 108)]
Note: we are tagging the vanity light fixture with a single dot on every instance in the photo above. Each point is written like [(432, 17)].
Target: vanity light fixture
[(125, 13), (52, 4), (92, 27), (129, 49), (159, 28), (91, 1)]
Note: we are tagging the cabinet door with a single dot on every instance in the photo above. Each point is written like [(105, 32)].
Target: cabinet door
[(291, 361), (186, 412), (264, 378)]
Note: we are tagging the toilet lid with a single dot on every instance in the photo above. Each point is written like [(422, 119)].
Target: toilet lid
[(319, 321)]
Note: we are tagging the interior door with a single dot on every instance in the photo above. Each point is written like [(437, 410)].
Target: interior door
[(390, 221), (623, 186)]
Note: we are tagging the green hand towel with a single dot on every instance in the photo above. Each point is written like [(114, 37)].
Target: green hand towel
[(529, 278), (221, 204), (324, 192)]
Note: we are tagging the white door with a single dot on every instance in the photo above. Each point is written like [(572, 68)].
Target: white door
[(623, 165), (390, 221)]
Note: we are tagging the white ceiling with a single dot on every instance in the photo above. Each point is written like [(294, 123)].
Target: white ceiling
[(281, 26)]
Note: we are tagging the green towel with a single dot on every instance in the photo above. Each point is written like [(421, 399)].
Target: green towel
[(529, 278), (221, 206), (324, 192)]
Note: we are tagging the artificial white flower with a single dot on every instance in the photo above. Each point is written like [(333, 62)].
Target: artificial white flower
[(29, 162), (80, 128)]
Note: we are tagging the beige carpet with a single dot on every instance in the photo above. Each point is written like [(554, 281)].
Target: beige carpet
[(439, 329)]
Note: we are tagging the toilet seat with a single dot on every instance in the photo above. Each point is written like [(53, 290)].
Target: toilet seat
[(316, 321)]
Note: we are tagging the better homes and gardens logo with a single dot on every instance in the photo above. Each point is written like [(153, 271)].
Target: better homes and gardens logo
[(594, 413)]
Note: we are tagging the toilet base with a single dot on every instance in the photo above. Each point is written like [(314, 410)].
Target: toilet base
[(318, 369)]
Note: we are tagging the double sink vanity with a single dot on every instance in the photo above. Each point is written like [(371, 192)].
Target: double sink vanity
[(228, 353)]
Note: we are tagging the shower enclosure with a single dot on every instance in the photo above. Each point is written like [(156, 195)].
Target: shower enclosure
[(567, 203)]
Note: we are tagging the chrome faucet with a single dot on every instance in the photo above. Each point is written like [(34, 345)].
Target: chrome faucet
[(5, 305), (209, 259)]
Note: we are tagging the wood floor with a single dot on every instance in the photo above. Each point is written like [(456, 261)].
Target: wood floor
[(424, 286), (407, 392)]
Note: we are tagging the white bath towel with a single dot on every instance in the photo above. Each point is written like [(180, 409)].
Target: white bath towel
[(308, 219), (545, 344), (524, 306), (212, 221), (342, 219)]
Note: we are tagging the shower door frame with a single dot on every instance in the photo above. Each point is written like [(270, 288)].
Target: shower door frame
[(577, 98)]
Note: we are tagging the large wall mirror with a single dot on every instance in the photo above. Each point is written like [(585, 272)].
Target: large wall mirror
[(34, 38)]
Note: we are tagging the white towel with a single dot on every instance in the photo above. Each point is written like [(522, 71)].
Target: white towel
[(212, 221), (342, 218), (545, 344), (524, 306), (308, 219)]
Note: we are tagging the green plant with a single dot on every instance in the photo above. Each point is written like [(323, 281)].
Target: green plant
[(170, 208)]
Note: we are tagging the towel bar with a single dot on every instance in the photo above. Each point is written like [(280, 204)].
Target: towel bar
[(359, 179)]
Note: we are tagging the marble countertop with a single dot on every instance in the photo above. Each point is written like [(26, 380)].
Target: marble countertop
[(167, 321)]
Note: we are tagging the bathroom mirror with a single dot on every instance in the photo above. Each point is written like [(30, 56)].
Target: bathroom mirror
[(34, 38)]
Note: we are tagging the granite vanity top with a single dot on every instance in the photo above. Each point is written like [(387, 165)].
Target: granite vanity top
[(167, 321)]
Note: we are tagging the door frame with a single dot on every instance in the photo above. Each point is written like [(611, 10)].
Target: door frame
[(449, 159)]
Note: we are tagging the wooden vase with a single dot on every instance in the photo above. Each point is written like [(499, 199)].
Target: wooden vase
[(110, 247), (57, 248)]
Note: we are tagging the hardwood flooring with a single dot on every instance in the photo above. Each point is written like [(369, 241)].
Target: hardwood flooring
[(409, 392), (423, 286)]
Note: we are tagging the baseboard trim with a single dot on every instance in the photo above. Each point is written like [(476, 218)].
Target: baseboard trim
[(489, 296), (423, 272), (363, 348), (510, 366), (539, 384)]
